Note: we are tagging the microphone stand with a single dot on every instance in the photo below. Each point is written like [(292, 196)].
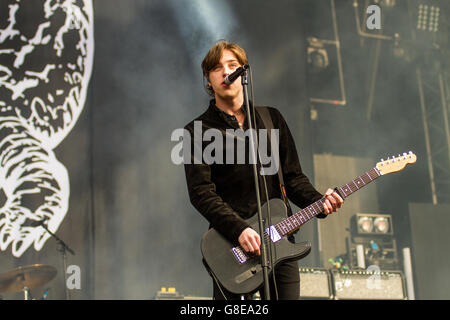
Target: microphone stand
[(62, 248), (264, 260)]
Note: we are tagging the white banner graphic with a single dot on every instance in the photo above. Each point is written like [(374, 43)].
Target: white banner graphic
[(46, 57)]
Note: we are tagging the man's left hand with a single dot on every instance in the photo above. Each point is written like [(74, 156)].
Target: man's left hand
[(333, 201)]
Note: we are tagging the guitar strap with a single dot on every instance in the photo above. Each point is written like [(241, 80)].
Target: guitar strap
[(264, 113)]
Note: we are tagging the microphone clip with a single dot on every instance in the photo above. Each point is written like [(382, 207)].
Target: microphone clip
[(236, 74)]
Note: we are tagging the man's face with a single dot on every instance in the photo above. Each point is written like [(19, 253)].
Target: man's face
[(227, 64)]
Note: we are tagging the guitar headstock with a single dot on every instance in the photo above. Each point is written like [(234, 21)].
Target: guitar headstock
[(396, 163)]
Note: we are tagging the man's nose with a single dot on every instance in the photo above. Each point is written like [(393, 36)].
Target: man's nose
[(227, 71)]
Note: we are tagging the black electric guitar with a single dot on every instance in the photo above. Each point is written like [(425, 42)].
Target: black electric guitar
[(241, 273)]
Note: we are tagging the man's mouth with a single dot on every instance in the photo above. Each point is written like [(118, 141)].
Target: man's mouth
[(223, 84)]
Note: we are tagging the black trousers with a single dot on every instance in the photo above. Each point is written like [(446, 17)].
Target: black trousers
[(287, 279)]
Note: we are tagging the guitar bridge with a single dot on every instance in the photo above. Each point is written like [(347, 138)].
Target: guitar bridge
[(239, 254)]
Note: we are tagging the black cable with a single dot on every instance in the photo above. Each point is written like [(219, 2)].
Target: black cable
[(218, 285)]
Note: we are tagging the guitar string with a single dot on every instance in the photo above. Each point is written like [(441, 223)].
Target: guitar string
[(292, 223)]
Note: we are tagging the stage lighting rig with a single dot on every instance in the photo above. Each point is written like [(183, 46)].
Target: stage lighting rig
[(373, 224), (324, 62), (317, 55), (429, 21), (372, 242), (428, 17)]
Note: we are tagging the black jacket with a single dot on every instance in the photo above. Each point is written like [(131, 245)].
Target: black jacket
[(225, 194)]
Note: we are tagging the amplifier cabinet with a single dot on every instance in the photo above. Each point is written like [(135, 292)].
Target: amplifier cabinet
[(315, 283), (368, 285)]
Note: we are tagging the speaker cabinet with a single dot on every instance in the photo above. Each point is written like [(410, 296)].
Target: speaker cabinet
[(368, 285), (430, 238), (315, 283)]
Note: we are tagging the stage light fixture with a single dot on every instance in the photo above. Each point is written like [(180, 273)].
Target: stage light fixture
[(372, 241), (317, 55), (428, 18), (365, 225), (373, 224), (381, 225), (388, 3)]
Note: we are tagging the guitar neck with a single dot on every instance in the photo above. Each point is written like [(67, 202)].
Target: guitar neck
[(294, 222)]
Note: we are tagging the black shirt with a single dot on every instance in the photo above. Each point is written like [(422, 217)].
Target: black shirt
[(225, 193)]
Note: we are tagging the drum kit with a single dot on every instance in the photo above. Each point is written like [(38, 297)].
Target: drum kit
[(23, 279)]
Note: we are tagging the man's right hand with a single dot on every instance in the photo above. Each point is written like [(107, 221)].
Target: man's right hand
[(250, 241)]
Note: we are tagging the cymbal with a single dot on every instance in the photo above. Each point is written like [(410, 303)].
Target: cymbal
[(33, 276)]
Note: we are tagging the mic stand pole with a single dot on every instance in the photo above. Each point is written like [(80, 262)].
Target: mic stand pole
[(62, 249), (264, 260)]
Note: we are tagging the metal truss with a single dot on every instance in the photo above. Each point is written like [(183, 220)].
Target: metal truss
[(337, 44), (434, 93)]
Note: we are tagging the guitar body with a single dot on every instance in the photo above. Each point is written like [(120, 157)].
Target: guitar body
[(240, 273)]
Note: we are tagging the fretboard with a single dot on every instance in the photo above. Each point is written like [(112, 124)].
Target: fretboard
[(294, 222)]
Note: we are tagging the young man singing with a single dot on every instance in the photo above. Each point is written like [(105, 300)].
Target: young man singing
[(225, 193)]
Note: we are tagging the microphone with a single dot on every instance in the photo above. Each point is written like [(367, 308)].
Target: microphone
[(229, 79)]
